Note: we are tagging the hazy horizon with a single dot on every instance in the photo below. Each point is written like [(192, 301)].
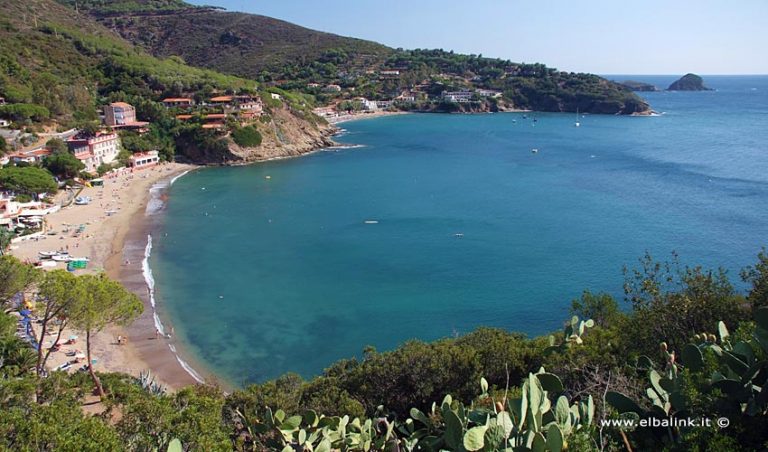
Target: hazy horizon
[(706, 37)]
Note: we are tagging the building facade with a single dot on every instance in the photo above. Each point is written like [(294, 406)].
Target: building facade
[(119, 114), (94, 151)]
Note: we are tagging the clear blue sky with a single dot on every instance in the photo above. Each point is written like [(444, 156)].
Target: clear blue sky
[(599, 36)]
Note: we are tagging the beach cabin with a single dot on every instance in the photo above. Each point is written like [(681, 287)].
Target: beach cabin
[(141, 160)]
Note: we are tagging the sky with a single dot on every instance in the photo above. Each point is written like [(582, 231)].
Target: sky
[(598, 36)]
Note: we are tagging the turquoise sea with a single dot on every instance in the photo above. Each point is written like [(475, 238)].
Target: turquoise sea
[(272, 268)]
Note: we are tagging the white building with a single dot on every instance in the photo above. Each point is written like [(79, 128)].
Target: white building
[(458, 96), (94, 151), (489, 93), (368, 105), (141, 160)]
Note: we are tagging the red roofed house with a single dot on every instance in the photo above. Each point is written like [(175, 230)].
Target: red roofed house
[(93, 151), (178, 102), (141, 160), (221, 100), (33, 156)]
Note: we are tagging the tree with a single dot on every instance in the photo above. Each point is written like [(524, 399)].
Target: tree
[(59, 290), (56, 145), (63, 164), (103, 302), (757, 276), (29, 180), (15, 277), (3, 146), (5, 239), (601, 308)]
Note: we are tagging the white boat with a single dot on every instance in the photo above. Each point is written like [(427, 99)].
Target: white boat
[(371, 222), (535, 151), (83, 200), (62, 258), (577, 123), (47, 254)]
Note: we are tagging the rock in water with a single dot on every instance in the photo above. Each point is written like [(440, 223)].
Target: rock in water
[(689, 82)]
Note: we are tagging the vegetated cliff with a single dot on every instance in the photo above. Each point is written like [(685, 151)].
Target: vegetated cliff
[(638, 86), (286, 133), (688, 82)]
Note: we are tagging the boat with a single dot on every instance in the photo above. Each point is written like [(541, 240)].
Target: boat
[(371, 222), (47, 254), (83, 200), (535, 151), (577, 123), (62, 257)]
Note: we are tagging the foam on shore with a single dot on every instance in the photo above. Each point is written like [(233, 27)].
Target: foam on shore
[(155, 205)]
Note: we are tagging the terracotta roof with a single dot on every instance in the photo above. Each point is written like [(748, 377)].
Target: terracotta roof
[(221, 99), (177, 99), (183, 117), (120, 104), (213, 125), (216, 116)]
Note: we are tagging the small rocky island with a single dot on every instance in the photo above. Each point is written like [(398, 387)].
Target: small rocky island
[(688, 82), (634, 85)]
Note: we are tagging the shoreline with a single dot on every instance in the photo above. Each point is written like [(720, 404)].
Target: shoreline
[(148, 338), (114, 215)]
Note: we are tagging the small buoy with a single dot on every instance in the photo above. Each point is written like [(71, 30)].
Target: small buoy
[(268, 177)]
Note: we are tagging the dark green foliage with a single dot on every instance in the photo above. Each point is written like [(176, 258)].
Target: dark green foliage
[(671, 303), (29, 180), (3, 146), (21, 112), (247, 136), (601, 308), (757, 277), (63, 164)]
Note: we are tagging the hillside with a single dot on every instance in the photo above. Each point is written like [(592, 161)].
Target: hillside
[(58, 67), (54, 58), (230, 42), (296, 58)]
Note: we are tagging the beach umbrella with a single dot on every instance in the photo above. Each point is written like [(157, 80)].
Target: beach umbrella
[(72, 338)]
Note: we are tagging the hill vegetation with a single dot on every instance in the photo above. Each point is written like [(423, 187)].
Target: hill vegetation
[(688, 82), (689, 346), (293, 57)]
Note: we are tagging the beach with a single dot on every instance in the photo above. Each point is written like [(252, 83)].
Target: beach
[(114, 217)]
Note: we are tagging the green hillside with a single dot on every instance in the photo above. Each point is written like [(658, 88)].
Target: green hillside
[(235, 43), (293, 57), (57, 63)]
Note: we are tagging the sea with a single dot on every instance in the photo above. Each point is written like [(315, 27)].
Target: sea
[(427, 226)]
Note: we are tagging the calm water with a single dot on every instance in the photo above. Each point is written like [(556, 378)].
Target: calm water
[(262, 276)]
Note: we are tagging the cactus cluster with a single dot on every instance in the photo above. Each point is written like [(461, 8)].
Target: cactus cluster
[(740, 378), (535, 421), (147, 381), (572, 334)]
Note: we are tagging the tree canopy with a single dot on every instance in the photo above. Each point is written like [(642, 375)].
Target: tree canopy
[(28, 180), (63, 164)]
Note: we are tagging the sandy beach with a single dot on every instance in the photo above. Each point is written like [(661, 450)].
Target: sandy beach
[(116, 212), (364, 115)]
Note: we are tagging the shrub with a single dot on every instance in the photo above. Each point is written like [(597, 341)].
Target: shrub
[(247, 136)]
